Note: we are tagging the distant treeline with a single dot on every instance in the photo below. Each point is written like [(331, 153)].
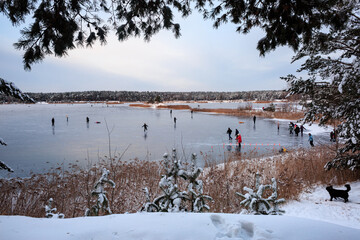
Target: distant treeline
[(133, 96)]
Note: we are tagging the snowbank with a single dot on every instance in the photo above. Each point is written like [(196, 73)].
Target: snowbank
[(174, 226), (310, 218), (314, 129), (316, 205)]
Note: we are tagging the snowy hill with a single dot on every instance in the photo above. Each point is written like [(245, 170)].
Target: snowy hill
[(298, 223)]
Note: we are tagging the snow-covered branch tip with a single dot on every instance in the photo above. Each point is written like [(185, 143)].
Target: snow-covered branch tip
[(3, 166), (2, 142), (9, 89)]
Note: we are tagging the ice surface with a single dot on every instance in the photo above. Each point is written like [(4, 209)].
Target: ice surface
[(33, 144)]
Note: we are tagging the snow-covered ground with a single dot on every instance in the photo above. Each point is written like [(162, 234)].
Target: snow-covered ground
[(316, 205), (313, 217)]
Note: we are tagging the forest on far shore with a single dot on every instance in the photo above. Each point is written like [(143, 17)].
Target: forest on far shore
[(133, 96)]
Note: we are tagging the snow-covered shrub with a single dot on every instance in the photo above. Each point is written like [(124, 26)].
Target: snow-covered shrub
[(50, 212), (195, 188), (102, 202), (148, 205), (258, 204), (172, 198)]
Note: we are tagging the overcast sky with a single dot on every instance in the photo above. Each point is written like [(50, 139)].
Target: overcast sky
[(202, 59)]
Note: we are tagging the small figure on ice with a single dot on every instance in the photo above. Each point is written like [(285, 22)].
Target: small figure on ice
[(302, 128), (236, 132), (311, 140), (145, 126), (332, 136), (239, 141), (229, 131), (291, 127), (297, 130)]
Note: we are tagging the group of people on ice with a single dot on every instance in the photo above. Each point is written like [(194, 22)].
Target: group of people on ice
[(237, 137), (295, 128)]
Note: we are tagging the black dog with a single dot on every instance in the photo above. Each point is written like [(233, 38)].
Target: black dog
[(335, 193)]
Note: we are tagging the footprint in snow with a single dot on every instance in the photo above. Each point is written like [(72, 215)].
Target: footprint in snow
[(241, 230)]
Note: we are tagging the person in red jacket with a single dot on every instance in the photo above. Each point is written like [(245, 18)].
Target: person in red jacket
[(239, 141)]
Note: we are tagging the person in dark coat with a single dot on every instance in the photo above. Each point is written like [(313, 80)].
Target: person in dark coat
[(297, 130), (236, 132), (145, 126), (53, 121), (302, 128), (291, 128), (254, 118), (331, 136), (229, 131)]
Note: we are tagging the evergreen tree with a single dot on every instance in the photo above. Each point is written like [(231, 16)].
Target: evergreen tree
[(332, 90), (158, 99)]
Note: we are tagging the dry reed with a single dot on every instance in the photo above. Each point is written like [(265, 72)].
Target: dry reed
[(177, 107), (71, 189), (140, 105)]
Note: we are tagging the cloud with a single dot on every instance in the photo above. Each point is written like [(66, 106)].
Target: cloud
[(202, 59)]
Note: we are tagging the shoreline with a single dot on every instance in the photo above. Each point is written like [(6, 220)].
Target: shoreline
[(228, 111)]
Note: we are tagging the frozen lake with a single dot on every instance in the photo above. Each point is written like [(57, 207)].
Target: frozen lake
[(35, 145)]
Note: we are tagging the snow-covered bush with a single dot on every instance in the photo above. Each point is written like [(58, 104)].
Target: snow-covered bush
[(50, 211), (172, 198), (195, 188), (148, 205), (258, 204), (102, 202)]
